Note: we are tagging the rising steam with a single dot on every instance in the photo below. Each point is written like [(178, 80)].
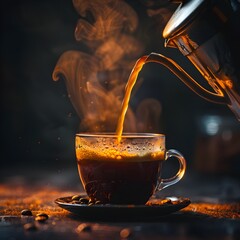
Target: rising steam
[(96, 79)]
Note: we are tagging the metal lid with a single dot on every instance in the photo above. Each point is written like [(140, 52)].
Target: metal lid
[(183, 15)]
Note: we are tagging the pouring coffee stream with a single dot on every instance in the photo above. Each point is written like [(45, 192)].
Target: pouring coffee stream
[(180, 73), (200, 30)]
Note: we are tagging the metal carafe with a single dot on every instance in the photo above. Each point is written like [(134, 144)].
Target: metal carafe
[(207, 32)]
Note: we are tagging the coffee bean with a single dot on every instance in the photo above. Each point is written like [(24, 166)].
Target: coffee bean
[(91, 201), (40, 219), (166, 201), (75, 202), (126, 233), (98, 202), (30, 227), (84, 200), (83, 227), (26, 212), (42, 215), (184, 201), (76, 197)]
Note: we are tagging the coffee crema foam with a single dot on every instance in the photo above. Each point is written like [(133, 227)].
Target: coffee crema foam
[(118, 152)]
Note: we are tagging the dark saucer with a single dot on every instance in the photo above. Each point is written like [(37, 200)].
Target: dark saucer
[(154, 209)]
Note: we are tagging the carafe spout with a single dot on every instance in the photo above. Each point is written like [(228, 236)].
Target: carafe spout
[(187, 79)]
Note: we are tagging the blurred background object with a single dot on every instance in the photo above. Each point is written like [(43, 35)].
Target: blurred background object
[(217, 149)]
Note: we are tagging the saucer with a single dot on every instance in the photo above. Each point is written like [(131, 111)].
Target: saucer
[(152, 210)]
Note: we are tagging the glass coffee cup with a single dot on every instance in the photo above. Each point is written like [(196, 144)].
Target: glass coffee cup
[(126, 171)]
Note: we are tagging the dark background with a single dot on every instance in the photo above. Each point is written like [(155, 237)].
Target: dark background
[(38, 121)]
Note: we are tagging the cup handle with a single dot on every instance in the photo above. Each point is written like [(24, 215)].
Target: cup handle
[(163, 183)]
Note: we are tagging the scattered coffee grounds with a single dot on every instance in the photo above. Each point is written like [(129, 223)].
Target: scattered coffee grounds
[(26, 212)]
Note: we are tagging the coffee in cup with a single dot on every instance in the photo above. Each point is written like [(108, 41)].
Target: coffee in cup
[(126, 171)]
